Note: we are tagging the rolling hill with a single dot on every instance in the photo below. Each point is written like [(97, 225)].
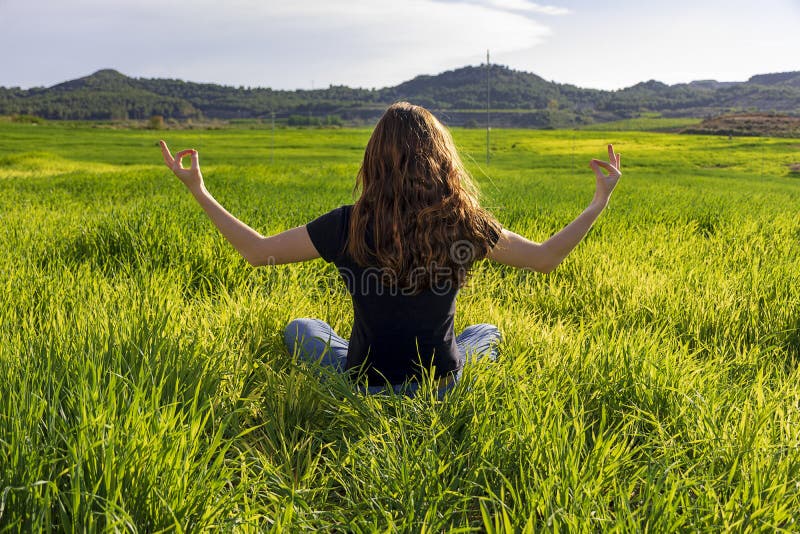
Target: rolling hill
[(518, 98)]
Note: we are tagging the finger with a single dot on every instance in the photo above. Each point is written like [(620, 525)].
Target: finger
[(611, 157), (195, 160), (595, 166), (606, 166), (182, 154), (168, 159), (619, 163)]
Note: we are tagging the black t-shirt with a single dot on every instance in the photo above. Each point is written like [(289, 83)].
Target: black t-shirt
[(395, 334)]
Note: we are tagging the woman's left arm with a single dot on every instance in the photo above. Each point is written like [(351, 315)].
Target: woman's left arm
[(287, 247)]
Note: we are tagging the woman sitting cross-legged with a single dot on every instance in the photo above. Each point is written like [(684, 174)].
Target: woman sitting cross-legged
[(403, 250)]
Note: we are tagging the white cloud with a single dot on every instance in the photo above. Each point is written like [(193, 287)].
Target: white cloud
[(288, 43), (268, 43), (529, 7)]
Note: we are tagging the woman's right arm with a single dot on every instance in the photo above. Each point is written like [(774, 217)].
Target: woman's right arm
[(517, 251), (286, 247)]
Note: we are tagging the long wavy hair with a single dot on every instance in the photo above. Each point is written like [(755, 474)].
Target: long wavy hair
[(418, 217)]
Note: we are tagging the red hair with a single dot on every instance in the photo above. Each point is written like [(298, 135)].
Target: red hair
[(418, 216)]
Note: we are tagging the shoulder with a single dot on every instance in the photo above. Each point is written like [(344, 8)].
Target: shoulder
[(329, 232), (493, 231), (336, 216)]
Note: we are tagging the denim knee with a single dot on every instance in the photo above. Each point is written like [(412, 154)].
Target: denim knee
[(490, 331), (479, 340), (295, 328)]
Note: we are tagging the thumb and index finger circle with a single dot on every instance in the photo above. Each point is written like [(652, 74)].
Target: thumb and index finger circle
[(596, 163), (595, 166), (182, 154)]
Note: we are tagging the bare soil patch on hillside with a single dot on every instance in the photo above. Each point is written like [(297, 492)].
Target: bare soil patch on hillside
[(749, 124)]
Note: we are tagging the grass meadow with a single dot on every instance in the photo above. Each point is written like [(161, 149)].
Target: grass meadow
[(650, 383)]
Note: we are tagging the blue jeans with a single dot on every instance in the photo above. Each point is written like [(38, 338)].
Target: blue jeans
[(315, 341)]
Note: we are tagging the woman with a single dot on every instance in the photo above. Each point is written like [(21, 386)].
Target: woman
[(404, 249)]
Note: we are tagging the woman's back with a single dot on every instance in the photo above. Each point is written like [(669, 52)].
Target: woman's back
[(394, 247), (397, 331)]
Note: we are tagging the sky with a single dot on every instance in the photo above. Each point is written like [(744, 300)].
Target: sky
[(304, 44)]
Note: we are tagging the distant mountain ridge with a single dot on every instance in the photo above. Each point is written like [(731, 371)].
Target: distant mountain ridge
[(779, 78), (518, 98)]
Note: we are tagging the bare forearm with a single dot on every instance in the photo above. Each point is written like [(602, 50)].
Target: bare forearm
[(561, 244), (515, 250), (243, 238)]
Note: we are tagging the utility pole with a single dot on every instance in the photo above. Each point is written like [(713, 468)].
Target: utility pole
[(272, 151), (572, 162), (310, 99), (488, 94)]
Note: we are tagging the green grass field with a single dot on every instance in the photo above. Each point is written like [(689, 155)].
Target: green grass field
[(649, 384), (649, 124)]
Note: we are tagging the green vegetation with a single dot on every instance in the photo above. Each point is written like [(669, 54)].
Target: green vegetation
[(649, 383), (328, 120), (518, 99), (647, 124)]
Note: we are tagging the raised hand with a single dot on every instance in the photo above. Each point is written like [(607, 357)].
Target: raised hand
[(605, 184), (191, 177)]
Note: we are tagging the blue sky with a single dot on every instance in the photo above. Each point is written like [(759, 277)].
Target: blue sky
[(376, 43)]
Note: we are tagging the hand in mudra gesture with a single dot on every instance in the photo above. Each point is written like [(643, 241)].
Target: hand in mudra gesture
[(605, 184), (191, 177)]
